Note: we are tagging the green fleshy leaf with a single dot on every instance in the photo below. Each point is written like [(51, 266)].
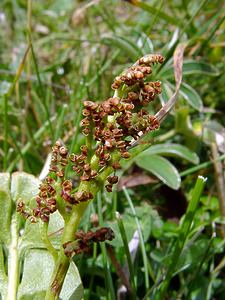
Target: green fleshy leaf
[(38, 265), (161, 168), (24, 186), (3, 277), (6, 207), (173, 150), (31, 237)]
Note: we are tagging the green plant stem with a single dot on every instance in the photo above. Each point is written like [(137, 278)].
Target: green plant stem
[(48, 244), (71, 226), (201, 166), (63, 262), (13, 267)]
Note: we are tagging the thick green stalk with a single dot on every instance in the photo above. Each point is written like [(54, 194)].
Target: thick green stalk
[(63, 262), (48, 244), (71, 226)]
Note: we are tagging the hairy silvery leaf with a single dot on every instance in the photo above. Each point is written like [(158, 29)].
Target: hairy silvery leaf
[(25, 263)]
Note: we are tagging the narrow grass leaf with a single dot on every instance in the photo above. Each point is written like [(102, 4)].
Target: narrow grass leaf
[(182, 237), (28, 145), (126, 249), (59, 127), (142, 244), (103, 68), (154, 11), (43, 96), (18, 72), (201, 166)]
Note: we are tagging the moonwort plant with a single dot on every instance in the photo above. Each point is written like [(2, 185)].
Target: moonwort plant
[(111, 128)]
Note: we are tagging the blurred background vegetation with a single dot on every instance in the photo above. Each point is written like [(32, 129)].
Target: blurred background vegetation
[(76, 49)]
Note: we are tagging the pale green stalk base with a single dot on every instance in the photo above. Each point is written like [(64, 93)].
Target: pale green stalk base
[(13, 267)]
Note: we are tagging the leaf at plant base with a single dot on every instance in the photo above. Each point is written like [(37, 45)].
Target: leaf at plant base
[(38, 265), (191, 96), (173, 150), (6, 206), (55, 226), (72, 288), (31, 237), (161, 168), (3, 277), (24, 186)]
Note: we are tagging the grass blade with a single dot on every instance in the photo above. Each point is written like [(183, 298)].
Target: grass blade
[(142, 244), (42, 90), (154, 11), (6, 97), (59, 126), (126, 249), (184, 231), (28, 145), (201, 166)]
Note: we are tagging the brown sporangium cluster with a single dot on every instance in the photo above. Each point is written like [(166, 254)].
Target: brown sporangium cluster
[(83, 241), (109, 128)]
